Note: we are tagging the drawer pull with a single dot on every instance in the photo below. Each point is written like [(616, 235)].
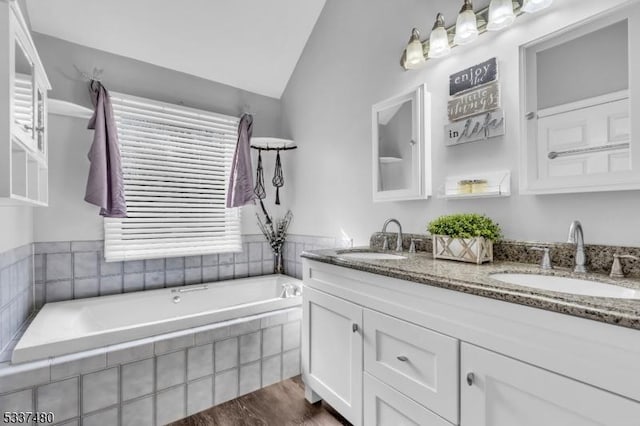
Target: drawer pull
[(470, 379), (402, 358), (354, 327)]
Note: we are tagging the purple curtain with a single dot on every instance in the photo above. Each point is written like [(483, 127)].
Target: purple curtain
[(105, 186), (240, 190)]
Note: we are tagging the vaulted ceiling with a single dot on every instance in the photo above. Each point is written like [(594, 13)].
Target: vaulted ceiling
[(253, 45)]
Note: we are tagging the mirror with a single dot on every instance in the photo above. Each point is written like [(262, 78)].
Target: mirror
[(23, 103), (577, 101), (400, 148)]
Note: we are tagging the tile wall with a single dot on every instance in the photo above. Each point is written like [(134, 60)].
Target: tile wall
[(16, 293), (76, 269)]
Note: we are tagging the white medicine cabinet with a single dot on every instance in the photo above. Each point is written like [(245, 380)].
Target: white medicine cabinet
[(578, 95), (401, 144), (23, 114)]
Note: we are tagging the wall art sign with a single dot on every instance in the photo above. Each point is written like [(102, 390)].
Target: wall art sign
[(484, 99), (474, 76), (477, 128)]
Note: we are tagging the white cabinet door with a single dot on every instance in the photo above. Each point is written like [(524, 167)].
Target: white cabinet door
[(332, 352), (384, 406), (500, 391), (418, 362)]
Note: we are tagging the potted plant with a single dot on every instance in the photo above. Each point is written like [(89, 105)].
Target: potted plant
[(467, 237)]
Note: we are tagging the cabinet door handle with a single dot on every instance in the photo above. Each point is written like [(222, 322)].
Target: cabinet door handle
[(402, 358), (354, 327), (470, 378)]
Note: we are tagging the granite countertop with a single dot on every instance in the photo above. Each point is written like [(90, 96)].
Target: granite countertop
[(474, 279)]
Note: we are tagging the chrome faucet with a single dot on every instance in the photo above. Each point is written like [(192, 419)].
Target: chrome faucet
[(577, 237), (399, 241)]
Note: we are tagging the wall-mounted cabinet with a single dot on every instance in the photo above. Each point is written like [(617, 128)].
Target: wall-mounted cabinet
[(578, 100), (401, 147), (23, 114)]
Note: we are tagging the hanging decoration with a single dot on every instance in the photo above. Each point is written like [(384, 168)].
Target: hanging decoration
[(270, 144), (259, 189), (278, 177)]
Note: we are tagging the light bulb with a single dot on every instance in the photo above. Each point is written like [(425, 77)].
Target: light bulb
[(532, 6), (500, 15), (466, 25), (414, 55), (439, 39)]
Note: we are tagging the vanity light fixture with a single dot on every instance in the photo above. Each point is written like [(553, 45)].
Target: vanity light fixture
[(439, 39), (533, 6), (414, 52), (466, 25), (469, 25), (501, 15)]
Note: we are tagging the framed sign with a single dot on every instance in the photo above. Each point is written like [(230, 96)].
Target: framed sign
[(484, 99), (473, 77), (477, 128)]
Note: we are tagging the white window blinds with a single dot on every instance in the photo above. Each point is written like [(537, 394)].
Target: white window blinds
[(176, 163)]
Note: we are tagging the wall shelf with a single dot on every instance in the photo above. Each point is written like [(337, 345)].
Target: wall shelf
[(272, 144), (69, 109), (390, 160), (498, 185)]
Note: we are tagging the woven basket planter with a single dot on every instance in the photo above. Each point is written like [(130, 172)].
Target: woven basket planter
[(473, 250)]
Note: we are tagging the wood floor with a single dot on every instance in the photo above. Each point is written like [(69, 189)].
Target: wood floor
[(282, 404)]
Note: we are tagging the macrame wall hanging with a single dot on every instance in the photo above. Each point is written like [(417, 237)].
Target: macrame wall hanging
[(270, 144)]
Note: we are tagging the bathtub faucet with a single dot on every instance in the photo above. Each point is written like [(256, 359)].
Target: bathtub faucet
[(290, 290)]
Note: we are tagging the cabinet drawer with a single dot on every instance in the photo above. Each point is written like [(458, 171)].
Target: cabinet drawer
[(419, 363), (384, 406)]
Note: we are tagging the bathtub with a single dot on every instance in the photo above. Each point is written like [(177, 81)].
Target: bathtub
[(68, 327)]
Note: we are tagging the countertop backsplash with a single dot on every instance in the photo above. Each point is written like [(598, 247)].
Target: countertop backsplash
[(599, 257)]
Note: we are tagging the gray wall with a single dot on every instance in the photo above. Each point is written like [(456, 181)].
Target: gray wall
[(68, 217), (350, 63)]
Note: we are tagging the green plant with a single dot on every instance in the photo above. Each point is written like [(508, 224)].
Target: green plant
[(465, 225)]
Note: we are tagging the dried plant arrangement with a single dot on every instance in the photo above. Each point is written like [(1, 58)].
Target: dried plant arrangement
[(276, 233)]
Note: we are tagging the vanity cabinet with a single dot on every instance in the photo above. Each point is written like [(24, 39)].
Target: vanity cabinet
[(384, 351), (23, 113), (333, 350)]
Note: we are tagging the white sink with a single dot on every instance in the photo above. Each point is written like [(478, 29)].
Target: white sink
[(569, 285), (369, 255)]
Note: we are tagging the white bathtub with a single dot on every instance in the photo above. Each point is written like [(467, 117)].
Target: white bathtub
[(78, 325)]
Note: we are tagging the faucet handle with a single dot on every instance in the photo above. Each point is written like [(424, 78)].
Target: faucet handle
[(545, 262), (385, 243), (616, 268), (412, 247)]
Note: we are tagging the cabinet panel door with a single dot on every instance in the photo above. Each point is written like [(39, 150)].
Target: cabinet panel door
[(418, 362), (332, 351), (506, 392), (384, 406)]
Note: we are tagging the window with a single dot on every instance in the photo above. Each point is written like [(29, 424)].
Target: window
[(176, 163)]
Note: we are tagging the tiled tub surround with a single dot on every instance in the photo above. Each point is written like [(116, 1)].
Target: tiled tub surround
[(599, 257), (74, 270), (159, 380), (474, 279), (16, 293)]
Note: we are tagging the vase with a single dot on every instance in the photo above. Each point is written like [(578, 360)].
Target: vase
[(278, 262)]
